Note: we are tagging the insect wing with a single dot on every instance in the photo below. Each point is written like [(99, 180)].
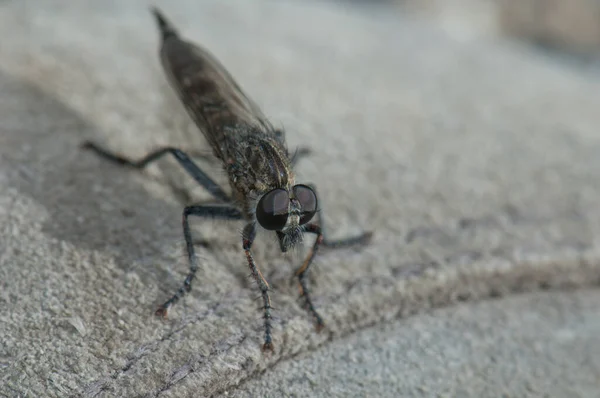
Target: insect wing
[(212, 97)]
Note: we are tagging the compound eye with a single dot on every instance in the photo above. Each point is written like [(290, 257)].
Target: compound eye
[(273, 209), (308, 201)]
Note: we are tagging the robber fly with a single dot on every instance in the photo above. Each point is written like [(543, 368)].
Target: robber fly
[(253, 155)]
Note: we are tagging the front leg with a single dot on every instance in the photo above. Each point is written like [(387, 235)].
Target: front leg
[(248, 238), (222, 212), (302, 271), (357, 240)]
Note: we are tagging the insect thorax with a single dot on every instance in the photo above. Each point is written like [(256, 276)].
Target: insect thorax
[(258, 164)]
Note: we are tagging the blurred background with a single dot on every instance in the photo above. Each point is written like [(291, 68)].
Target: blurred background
[(571, 27)]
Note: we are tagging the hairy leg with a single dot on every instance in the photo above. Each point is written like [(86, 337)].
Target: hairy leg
[(302, 271), (248, 238), (221, 212), (184, 160)]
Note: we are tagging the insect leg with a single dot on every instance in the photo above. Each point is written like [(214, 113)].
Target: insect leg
[(361, 239), (184, 160), (302, 272), (222, 212), (350, 241), (248, 238), (299, 154)]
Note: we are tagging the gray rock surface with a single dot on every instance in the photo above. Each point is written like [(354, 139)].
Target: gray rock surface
[(536, 345), (474, 160)]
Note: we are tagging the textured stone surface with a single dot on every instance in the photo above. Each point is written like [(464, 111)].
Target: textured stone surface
[(532, 345), (474, 161)]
